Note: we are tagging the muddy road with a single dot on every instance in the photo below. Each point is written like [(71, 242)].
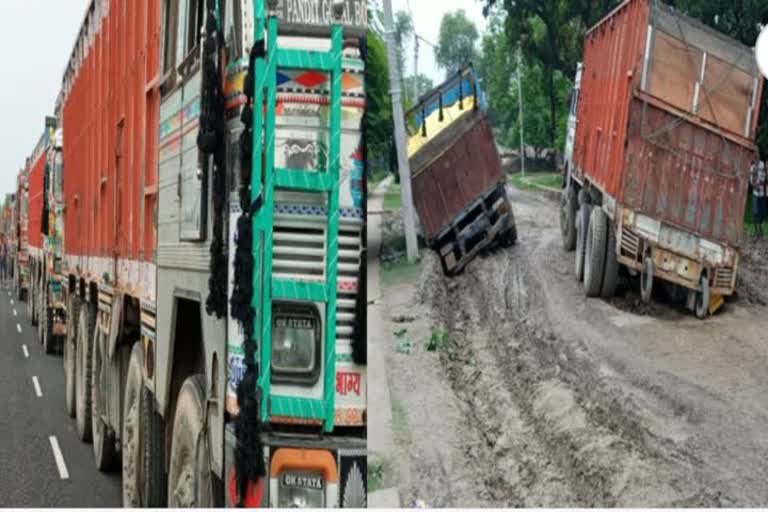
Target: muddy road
[(540, 397)]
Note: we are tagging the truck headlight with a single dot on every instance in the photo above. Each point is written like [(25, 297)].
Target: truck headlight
[(296, 343), (301, 490)]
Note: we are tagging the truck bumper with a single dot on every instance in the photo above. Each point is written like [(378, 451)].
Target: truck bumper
[(336, 466), (678, 257), (487, 220)]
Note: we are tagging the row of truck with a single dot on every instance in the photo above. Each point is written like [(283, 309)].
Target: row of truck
[(189, 233)]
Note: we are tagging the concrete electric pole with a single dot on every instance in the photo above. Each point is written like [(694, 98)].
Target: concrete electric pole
[(520, 101), (409, 216)]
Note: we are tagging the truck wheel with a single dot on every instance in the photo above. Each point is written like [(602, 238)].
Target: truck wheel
[(702, 298), (73, 314), (611, 277), (40, 317), (49, 342), (104, 452), (83, 375), (594, 263), (189, 474), (143, 439), (646, 280), (582, 226), (568, 210)]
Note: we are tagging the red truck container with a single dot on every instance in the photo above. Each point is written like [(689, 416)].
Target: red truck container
[(457, 178), (665, 126)]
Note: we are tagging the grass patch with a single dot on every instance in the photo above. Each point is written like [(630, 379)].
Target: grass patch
[(393, 201), (438, 341), (375, 477), (534, 181), (393, 274), (377, 177)]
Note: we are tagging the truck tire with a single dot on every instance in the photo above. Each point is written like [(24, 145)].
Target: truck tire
[(702, 298), (190, 483), (143, 438), (104, 452), (646, 279), (73, 315), (49, 342), (582, 227), (568, 209), (594, 263), (611, 277), (83, 375)]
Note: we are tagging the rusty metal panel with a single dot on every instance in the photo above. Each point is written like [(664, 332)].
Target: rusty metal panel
[(685, 174), (453, 170), (614, 53)]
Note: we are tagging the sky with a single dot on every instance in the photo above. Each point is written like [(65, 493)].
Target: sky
[(427, 15), (36, 40)]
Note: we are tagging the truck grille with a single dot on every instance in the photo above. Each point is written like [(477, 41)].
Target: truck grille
[(723, 278), (299, 254)]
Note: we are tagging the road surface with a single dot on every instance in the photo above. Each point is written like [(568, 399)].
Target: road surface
[(540, 397), (43, 463)]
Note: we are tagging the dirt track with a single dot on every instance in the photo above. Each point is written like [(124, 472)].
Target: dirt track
[(543, 398)]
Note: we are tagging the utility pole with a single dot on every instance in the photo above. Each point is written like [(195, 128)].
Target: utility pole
[(409, 216), (520, 101), (415, 67)]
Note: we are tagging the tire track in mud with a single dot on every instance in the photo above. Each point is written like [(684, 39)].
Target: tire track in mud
[(556, 433)]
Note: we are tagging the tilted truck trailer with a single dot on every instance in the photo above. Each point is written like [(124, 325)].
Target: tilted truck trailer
[(459, 186), (154, 352), (666, 116)]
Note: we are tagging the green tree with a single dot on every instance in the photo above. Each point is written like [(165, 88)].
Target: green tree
[(425, 85), (456, 42), (378, 116), (550, 34)]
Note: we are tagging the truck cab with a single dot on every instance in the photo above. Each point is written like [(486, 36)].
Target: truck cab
[(570, 136)]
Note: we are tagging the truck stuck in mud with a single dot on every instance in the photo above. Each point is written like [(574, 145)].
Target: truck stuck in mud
[(459, 187), (666, 112)]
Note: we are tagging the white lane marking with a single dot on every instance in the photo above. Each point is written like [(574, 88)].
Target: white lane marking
[(14, 312), (63, 473), (38, 391), (18, 328), (26, 352), (11, 302)]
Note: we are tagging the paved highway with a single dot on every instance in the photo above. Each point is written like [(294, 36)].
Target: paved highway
[(42, 461)]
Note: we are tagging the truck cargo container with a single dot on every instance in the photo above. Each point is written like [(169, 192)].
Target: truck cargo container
[(459, 186), (21, 281), (666, 113), (154, 356)]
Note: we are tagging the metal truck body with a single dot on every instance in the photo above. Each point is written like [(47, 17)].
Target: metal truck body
[(663, 145), (148, 365), (459, 187)]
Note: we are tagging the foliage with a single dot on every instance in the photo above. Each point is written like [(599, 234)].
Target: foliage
[(498, 68), (425, 85), (378, 104), (437, 341), (403, 32), (456, 42)]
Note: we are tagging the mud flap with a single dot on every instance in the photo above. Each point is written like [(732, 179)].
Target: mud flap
[(715, 303)]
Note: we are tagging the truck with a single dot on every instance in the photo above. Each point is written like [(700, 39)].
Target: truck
[(21, 259), (201, 404), (666, 111), (45, 311), (459, 186), (6, 231)]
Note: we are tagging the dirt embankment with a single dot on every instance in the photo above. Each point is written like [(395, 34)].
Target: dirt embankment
[(573, 402)]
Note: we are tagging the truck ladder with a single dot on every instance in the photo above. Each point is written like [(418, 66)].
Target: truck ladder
[(319, 181)]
